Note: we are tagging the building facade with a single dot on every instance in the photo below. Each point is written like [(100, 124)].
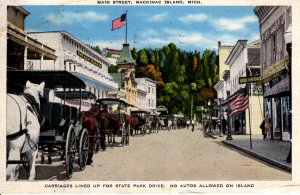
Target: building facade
[(141, 95), (244, 61), (126, 65), (79, 59), (21, 48), (221, 87), (275, 62), (149, 86)]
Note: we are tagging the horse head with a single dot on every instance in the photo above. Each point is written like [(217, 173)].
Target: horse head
[(35, 90)]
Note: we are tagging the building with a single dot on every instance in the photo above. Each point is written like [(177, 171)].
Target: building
[(141, 95), (244, 61), (222, 89), (21, 48), (275, 23), (111, 53), (126, 65), (149, 86), (81, 60)]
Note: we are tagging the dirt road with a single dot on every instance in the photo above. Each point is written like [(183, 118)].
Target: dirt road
[(176, 155)]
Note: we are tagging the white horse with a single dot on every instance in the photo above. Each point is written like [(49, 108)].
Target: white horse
[(23, 114)]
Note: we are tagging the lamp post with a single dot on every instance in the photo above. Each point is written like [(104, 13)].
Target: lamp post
[(229, 137), (221, 114), (209, 115)]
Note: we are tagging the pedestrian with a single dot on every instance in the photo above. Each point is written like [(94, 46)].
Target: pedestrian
[(214, 124), (268, 126), (188, 124), (237, 125), (193, 124), (263, 131), (224, 125)]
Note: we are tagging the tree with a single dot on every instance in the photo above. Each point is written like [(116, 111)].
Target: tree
[(142, 57), (96, 48), (134, 53), (112, 69)]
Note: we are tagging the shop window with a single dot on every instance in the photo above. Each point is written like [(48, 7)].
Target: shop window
[(273, 48), (286, 107)]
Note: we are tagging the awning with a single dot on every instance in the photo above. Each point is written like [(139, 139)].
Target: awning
[(280, 89), (92, 81)]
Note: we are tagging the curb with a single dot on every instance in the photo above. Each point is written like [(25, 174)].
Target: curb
[(209, 134), (259, 156)]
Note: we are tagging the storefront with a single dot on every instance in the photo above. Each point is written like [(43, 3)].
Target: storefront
[(277, 96)]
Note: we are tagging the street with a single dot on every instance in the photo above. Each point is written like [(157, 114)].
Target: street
[(168, 155)]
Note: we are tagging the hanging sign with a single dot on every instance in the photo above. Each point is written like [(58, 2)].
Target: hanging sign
[(251, 79)]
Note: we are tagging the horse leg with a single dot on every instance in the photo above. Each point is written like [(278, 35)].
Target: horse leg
[(91, 150), (12, 170), (102, 139), (31, 155)]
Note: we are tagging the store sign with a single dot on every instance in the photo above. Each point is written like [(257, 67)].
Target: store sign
[(89, 59), (275, 70), (251, 79)]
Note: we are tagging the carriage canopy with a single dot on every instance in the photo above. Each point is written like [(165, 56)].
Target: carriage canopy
[(16, 79)]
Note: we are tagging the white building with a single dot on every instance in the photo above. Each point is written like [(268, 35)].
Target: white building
[(244, 61), (222, 86), (79, 59), (141, 96), (150, 86)]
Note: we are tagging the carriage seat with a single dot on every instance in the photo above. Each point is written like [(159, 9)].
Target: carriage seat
[(116, 115), (52, 114)]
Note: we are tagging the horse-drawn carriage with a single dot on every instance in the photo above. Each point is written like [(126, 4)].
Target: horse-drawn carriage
[(59, 129), (140, 122), (118, 120)]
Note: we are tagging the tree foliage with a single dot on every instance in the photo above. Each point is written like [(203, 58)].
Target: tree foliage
[(179, 74)]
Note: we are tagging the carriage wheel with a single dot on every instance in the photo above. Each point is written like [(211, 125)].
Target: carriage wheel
[(70, 151), (83, 149), (98, 141)]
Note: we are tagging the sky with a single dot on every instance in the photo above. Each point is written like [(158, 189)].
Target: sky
[(189, 27)]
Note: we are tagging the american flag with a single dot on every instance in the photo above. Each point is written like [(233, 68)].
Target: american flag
[(239, 103), (119, 22)]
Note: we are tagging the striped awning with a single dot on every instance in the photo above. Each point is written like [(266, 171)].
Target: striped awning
[(94, 82)]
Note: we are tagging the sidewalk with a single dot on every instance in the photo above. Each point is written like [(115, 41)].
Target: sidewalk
[(271, 151)]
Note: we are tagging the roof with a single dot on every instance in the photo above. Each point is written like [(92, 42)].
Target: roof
[(75, 95), (110, 101), (113, 50), (126, 56), (118, 77)]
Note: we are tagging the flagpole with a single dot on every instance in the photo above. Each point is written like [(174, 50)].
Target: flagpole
[(249, 91), (126, 28)]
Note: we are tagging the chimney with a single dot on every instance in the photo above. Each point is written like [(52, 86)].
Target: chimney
[(219, 43)]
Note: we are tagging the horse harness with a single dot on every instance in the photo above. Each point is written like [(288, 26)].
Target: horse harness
[(33, 107)]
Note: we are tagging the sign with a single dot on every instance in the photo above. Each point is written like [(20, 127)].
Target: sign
[(275, 70), (251, 79), (89, 59)]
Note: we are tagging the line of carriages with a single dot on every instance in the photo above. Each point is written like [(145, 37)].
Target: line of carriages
[(72, 134)]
